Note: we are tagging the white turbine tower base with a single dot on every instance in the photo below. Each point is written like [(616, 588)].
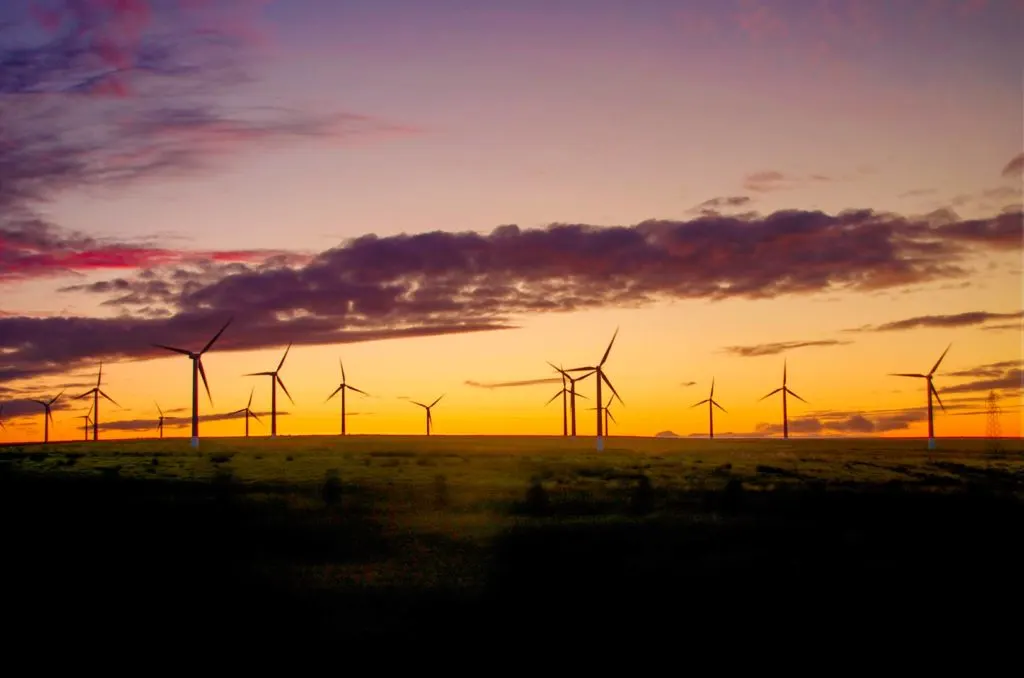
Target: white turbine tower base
[(600, 444), (195, 443), (931, 443)]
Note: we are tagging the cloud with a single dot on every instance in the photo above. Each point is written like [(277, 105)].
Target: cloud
[(917, 192), (103, 95), (769, 181), (180, 422), (779, 347), (508, 384), (989, 370), (1012, 379), (436, 283), (825, 423), (951, 320), (27, 407), (716, 205), (1015, 167), (666, 434), (688, 383), (1007, 326)]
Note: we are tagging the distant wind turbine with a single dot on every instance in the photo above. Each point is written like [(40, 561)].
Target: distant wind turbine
[(248, 412), (275, 379), (598, 370), (572, 394), (95, 409), (607, 416), (710, 400), (2, 427), (197, 370), (160, 420), (87, 419), (784, 389), (930, 388), (342, 387), (430, 419), (48, 415)]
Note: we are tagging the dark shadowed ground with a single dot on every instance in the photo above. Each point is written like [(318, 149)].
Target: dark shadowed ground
[(144, 559)]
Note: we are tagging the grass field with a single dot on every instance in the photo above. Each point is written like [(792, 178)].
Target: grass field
[(391, 534)]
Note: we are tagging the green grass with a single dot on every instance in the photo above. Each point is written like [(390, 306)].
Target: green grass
[(414, 518)]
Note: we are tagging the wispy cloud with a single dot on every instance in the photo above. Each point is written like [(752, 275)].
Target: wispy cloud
[(510, 384), (965, 319), (688, 383), (1015, 167), (779, 347)]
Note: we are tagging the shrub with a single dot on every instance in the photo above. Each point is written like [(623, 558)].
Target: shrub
[(642, 499), (330, 491)]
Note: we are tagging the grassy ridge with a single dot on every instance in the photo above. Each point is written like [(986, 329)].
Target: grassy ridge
[(407, 535)]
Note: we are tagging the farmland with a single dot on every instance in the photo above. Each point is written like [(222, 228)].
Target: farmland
[(384, 534)]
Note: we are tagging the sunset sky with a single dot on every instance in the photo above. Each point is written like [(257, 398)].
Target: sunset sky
[(446, 194)]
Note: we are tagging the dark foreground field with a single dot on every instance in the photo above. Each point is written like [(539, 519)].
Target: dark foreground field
[(450, 544)]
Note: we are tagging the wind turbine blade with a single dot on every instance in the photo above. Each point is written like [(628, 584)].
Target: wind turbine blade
[(556, 369), (39, 401), (236, 412), (334, 393), (430, 417), (712, 388), (795, 395), (718, 406), (259, 374), (582, 369), (936, 394), (216, 336), (2, 426), (158, 408), (100, 376), (420, 404), (610, 415), (580, 395), (253, 415), (57, 396), (109, 398), (89, 392), (438, 400), (906, 374), (784, 360), (770, 394), (353, 388), (281, 364), (700, 403), (609, 349), (202, 373), (284, 388), (250, 397), (940, 358), (342, 366), (176, 350), (608, 381), (554, 397)]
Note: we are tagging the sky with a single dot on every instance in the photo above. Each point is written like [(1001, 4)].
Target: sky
[(449, 195)]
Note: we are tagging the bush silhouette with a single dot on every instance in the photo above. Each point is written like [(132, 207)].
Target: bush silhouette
[(537, 502), (642, 499), (732, 496), (330, 491)]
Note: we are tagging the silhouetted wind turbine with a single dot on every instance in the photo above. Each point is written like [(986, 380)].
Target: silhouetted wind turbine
[(572, 394), (599, 371), (784, 389), (2, 427), (248, 412), (47, 415), (275, 379), (160, 421), (607, 415), (342, 387), (710, 400), (430, 419), (86, 424), (197, 370), (930, 388), (95, 409)]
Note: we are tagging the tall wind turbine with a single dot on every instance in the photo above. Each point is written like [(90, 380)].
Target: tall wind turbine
[(342, 387), (95, 409), (160, 420), (87, 419), (248, 412), (430, 419), (275, 379), (710, 400), (601, 376), (784, 389), (930, 388), (47, 415), (197, 370), (572, 394)]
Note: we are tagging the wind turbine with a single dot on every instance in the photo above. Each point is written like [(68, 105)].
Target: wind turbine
[(430, 419), (785, 389), (47, 415), (930, 388), (248, 412), (160, 421), (342, 387), (599, 371), (2, 427), (572, 394), (275, 379), (710, 400), (197, 370), (86, 423), (607, 415), (95, 409)]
